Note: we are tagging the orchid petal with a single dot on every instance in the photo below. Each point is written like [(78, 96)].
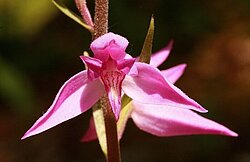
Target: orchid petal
[(162, 120), (150, 86), (109, 44), (114, 96), (112, 81), (92, 63), (125, 65), (90, 135), (88, 98), (94, 66), (75, 97), (174, 73), (115, 51), (159, 57)]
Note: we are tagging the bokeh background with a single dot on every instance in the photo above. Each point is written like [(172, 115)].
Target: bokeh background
[(40, 48)]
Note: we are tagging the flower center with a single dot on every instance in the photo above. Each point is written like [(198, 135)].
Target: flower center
[(112, 81)]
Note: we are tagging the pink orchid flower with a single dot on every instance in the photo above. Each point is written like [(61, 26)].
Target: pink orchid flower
[(165, 120), (112, 71)]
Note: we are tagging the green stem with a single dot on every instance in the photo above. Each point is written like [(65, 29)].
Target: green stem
[(100, 28)]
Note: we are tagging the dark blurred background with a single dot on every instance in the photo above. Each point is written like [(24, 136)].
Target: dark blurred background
[(40, 49)]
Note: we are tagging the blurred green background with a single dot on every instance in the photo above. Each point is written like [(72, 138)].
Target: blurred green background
[(40, 48)]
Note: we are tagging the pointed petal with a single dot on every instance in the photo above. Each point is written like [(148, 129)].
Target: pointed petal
[(125, 65), (94, 66), (174, 73), (150, 86), (90, 135), (109, 44), (159, 57), (92, 63), (162, 120), (75, 97)]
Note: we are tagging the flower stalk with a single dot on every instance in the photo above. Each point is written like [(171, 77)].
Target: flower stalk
[(101, 18), (101, 28), (113, 147)]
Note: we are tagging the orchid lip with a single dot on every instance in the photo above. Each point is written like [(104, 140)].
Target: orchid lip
[(112, 81)]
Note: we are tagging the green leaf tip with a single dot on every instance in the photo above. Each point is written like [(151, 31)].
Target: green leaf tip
[(124, 114), (148, 43), (125, 100), (59, 4)]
